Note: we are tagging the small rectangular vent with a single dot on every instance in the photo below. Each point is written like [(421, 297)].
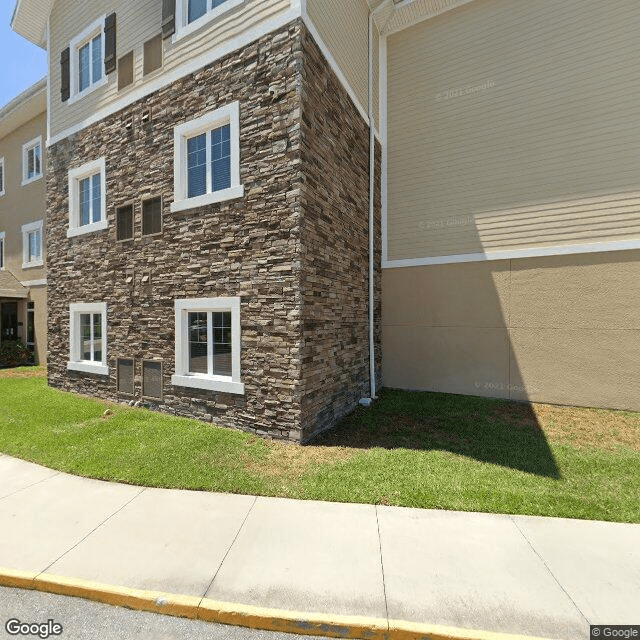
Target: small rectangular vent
[(126, 376), (152, 379)]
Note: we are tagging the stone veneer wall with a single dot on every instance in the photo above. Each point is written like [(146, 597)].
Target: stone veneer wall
[(294, 248), (335, 238), (247, 247)]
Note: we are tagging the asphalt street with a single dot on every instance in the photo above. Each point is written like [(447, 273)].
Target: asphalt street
[(86, 620)]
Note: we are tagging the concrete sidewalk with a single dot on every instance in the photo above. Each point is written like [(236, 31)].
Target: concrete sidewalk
[(543, 577)]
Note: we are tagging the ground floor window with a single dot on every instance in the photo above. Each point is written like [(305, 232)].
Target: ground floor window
[(88, 338), (208, 344)]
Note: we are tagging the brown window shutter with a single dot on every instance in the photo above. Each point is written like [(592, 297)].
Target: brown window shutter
[(65, 76), (110, 43), (168, 18)]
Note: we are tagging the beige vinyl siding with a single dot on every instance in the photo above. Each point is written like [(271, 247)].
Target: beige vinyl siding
[(514, 124), (344, 29), (136, 23)]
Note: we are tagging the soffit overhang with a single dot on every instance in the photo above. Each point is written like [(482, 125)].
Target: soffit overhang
[(395, 15), (25, 107), (30, 19)]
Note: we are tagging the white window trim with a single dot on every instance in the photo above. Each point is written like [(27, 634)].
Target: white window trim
[(75, 363), (3, 186), (229, 114), (74, 47), (182, 377), (75, 175), (2, 251), (183, 28), (26, 230), (26, 147)]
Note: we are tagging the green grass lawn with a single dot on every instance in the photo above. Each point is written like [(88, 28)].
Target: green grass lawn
[(410, 449)]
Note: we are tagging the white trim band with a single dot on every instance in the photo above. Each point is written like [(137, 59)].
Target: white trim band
[(534, 252)]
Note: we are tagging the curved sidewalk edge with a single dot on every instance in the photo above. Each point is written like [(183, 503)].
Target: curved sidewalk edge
[(336, 626)]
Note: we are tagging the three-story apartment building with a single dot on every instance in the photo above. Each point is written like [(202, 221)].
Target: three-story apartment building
[(23, 291), (258, 207), (208, 208)]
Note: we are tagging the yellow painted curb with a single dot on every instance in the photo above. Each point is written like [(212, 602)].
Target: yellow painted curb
[(13, 578), (334, 626), (155, 601), (243, 615), (401, 630)]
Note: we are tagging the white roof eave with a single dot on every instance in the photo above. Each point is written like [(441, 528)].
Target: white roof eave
[(30, 18)]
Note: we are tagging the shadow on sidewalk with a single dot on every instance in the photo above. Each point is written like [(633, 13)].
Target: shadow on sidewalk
[(500, 432)]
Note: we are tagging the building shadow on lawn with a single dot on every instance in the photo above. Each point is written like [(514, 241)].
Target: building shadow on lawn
[(500, 432)]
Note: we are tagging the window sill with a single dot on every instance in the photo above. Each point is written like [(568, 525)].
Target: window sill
[(208, 198), (225, 385), (26, 181), (31, 265), (88, 367), (78, 96), (2, 193), (188, 29), (87, 228)]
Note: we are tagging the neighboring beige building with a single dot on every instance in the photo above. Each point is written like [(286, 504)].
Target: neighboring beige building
[(23, 290)]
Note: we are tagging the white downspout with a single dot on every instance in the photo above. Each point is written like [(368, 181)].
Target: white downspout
[(372, 167)]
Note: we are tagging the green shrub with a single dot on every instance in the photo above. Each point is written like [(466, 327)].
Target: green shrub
[(13, 354)]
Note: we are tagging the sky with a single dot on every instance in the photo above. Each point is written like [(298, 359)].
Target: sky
[(21, 62)]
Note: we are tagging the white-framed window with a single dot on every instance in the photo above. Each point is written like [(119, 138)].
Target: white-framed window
[(208, 344), (193, 14), (2, 178), (32, 160), (206, 163), (32, 245), (2, 236), (87, 198), (88, 337), (86, 54)]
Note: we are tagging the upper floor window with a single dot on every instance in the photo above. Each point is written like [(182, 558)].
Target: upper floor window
[(207, 159), (191, 14), (1, 250), (87, 198), (90, 63), (32, 160), (1, 176), (32, 245), (86, 57)]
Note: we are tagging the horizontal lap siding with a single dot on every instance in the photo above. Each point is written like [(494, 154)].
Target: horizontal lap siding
[(136, 23), (344, 29), (513, 124)]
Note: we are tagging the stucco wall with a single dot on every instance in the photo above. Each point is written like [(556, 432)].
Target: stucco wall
[(18, 206), (562, 329)]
